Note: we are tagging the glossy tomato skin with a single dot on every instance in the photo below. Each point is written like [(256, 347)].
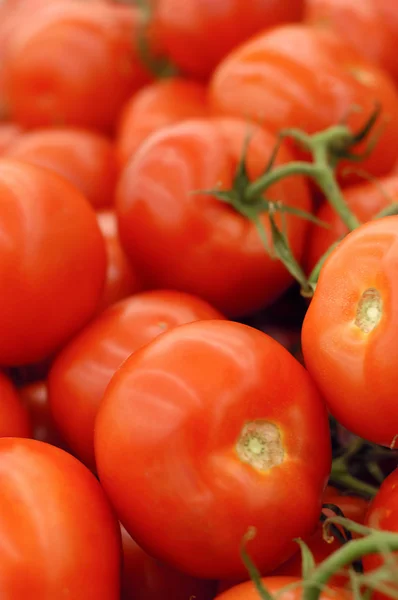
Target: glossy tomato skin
[(146, 578), (247, 590), (121, 277), (81, 372), (9, 132), (383, 514), (193, 242), (353, 508), (349, 332), (364, 199), (299, 76), (71, 65), (197, 34), (34, 397), (57, 527), (156, 105), (375, 21), (52, 262), (84, 158), (176, 419), (14, 418)]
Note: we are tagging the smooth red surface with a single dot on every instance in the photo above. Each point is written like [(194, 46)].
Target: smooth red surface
[(197, 34), (164, 102), (299, 76), (59, 535), (247, 591), (71, 64), (52, 262), (84, 158), (356, 371), (121, 277), (180, 239), (81, 372), (167, 428)]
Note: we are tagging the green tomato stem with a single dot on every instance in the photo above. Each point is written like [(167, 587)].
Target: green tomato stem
[(346, 555)]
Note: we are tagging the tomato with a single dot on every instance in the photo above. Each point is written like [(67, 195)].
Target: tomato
[(365, 200), (34, 397), (68, 64), (9, 132), (298, 76), (121, 277), (148, 579), (84, 158), (354, 508), (14, 418), (247, 591), (193, 242), (350, 329), (82, 371), (197, 34), (158, 104), (383, 514), (50, 548), (52, 262), (375, 21), (213, 437)]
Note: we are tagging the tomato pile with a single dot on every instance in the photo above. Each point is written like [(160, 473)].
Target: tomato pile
[(199, 299)]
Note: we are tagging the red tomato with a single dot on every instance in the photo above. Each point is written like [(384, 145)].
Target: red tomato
[(375, 21), (145, 578), (354, 508), (52, 262), (158, 104), (68, 64), (197, 34), (84, 158), (365, 200), (383, 514), (59, 535), (213, 437), (35, 398), (82, 371), (9, 132), (298, 76), (14, 418), (350, 330), (247, 591), (121, 277), (193, 242)]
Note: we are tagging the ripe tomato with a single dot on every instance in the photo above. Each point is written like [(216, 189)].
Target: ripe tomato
[(350, 329), (68, 64), (197, 34), (158, 104), (84, 158), (52, 262), (375, 21), (354, 508), (145, 578), (213, 437), (82, 371), (9, 132), (59, 535), (14, 418), (247, 591), (383, 514), (121, 277), (298, 76), (34, 397), (365, 200), (193, 242)]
